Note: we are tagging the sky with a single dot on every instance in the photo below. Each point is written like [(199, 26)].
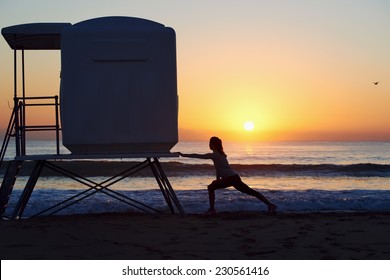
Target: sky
[(298, 70)]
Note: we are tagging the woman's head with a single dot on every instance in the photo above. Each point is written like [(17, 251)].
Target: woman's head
[(216, 145)]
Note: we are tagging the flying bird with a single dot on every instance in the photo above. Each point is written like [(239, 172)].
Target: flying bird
[(375, 83)]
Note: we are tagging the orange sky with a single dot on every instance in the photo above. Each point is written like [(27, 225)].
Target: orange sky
[(298, 71)]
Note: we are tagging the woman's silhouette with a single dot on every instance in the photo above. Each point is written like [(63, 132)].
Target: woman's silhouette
[(226, 176)]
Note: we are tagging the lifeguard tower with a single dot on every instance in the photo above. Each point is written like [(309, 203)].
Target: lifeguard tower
[(118, 99)]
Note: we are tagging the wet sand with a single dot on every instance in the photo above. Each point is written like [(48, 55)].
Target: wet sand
[(243, 235)]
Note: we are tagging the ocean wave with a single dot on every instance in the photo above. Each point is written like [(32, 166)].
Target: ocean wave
[(320, 170), (350, 170), (196, 201), (108, 168)]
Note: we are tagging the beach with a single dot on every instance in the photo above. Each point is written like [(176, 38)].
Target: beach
[(228, 235)]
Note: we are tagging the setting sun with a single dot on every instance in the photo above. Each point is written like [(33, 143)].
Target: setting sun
[(249, 126)]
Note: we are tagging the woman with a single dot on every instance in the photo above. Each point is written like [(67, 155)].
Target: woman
[(226, 176)]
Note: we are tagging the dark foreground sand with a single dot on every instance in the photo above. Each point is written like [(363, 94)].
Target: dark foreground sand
[(224, 236)]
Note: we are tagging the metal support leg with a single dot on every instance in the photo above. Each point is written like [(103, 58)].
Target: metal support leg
[(8, 184), (30, 185), (165, 186)]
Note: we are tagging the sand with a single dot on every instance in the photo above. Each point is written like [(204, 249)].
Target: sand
[(244, 235)]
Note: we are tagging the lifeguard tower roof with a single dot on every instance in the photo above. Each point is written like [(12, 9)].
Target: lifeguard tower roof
[(34, 36)]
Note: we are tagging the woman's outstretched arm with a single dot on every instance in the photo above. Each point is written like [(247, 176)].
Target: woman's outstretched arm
[(200, 156)]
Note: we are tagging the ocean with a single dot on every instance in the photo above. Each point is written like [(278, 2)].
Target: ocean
[(296, 176)]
